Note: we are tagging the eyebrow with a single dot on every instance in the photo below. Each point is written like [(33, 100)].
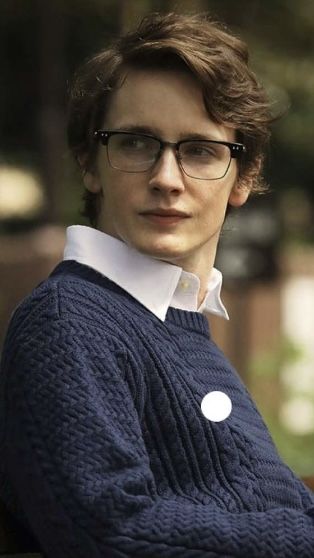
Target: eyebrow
[(152, 131)]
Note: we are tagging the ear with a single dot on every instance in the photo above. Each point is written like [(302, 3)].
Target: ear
[(239, 193), (90, 177), (91, 182)]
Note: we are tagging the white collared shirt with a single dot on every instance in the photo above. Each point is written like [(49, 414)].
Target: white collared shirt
[(157, 285)]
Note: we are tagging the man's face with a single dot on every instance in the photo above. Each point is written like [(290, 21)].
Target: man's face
[(168, 105)]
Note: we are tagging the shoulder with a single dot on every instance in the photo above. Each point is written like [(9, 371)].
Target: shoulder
[(66, 323), (72, 294)]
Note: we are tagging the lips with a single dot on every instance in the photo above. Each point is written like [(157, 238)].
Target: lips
[(159, 212), (164, 217)]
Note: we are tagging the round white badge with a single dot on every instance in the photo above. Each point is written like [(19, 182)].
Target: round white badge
[(216, 406)]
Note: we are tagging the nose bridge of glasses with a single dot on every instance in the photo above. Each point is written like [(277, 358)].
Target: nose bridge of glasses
[(165, 163), (173, 148)]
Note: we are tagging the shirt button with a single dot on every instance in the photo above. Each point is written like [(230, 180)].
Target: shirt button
[(184, 285)]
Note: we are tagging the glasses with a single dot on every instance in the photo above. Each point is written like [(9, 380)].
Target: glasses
[(136, 152)]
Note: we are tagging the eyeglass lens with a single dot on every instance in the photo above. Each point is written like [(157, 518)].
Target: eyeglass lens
[(199, 159)]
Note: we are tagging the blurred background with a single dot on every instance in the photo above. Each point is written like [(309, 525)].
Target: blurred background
[(267, 248)]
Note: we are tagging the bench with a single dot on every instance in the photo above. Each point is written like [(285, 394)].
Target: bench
[(15, 541)]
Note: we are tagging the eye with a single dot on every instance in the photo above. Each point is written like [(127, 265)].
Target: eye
[(132, 143), (198, 150), (204, 152)]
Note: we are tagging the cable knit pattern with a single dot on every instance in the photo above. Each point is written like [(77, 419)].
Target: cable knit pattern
[(105, 449)]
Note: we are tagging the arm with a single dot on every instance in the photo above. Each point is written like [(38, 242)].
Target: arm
[(77, 460)]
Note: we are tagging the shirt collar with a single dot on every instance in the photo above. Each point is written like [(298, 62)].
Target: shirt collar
[(154, 283)]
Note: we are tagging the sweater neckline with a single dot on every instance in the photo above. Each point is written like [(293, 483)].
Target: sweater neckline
[(192, 321), (188, 320)]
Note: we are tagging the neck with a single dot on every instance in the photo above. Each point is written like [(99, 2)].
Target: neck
[(202, 269)]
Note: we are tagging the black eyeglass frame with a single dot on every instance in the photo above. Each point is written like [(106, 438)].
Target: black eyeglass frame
[(236, 149)]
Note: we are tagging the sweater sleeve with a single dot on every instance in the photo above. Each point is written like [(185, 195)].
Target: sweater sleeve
[(77, 461)]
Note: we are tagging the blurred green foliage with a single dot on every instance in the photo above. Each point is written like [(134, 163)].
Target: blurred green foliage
[(296, 450), (270, 392)]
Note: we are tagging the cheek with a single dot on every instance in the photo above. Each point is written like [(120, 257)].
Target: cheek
[(113, 204), (212, 206), (118, 197), (211, 200)]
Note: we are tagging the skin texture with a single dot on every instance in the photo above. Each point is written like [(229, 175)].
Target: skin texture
[(169, 105)]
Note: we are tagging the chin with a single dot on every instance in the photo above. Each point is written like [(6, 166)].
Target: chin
[(161, 251)]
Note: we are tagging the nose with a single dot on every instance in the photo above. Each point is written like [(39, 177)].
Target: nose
[(166, 174)]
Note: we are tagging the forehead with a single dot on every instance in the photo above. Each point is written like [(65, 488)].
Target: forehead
[(168, 102)]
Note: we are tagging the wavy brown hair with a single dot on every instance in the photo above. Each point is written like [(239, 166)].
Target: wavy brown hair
[(195, 43)]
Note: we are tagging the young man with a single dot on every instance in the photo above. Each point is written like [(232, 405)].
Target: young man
[(125, 431)]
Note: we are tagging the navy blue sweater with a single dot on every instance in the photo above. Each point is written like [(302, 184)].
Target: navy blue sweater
[(106, 452)]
